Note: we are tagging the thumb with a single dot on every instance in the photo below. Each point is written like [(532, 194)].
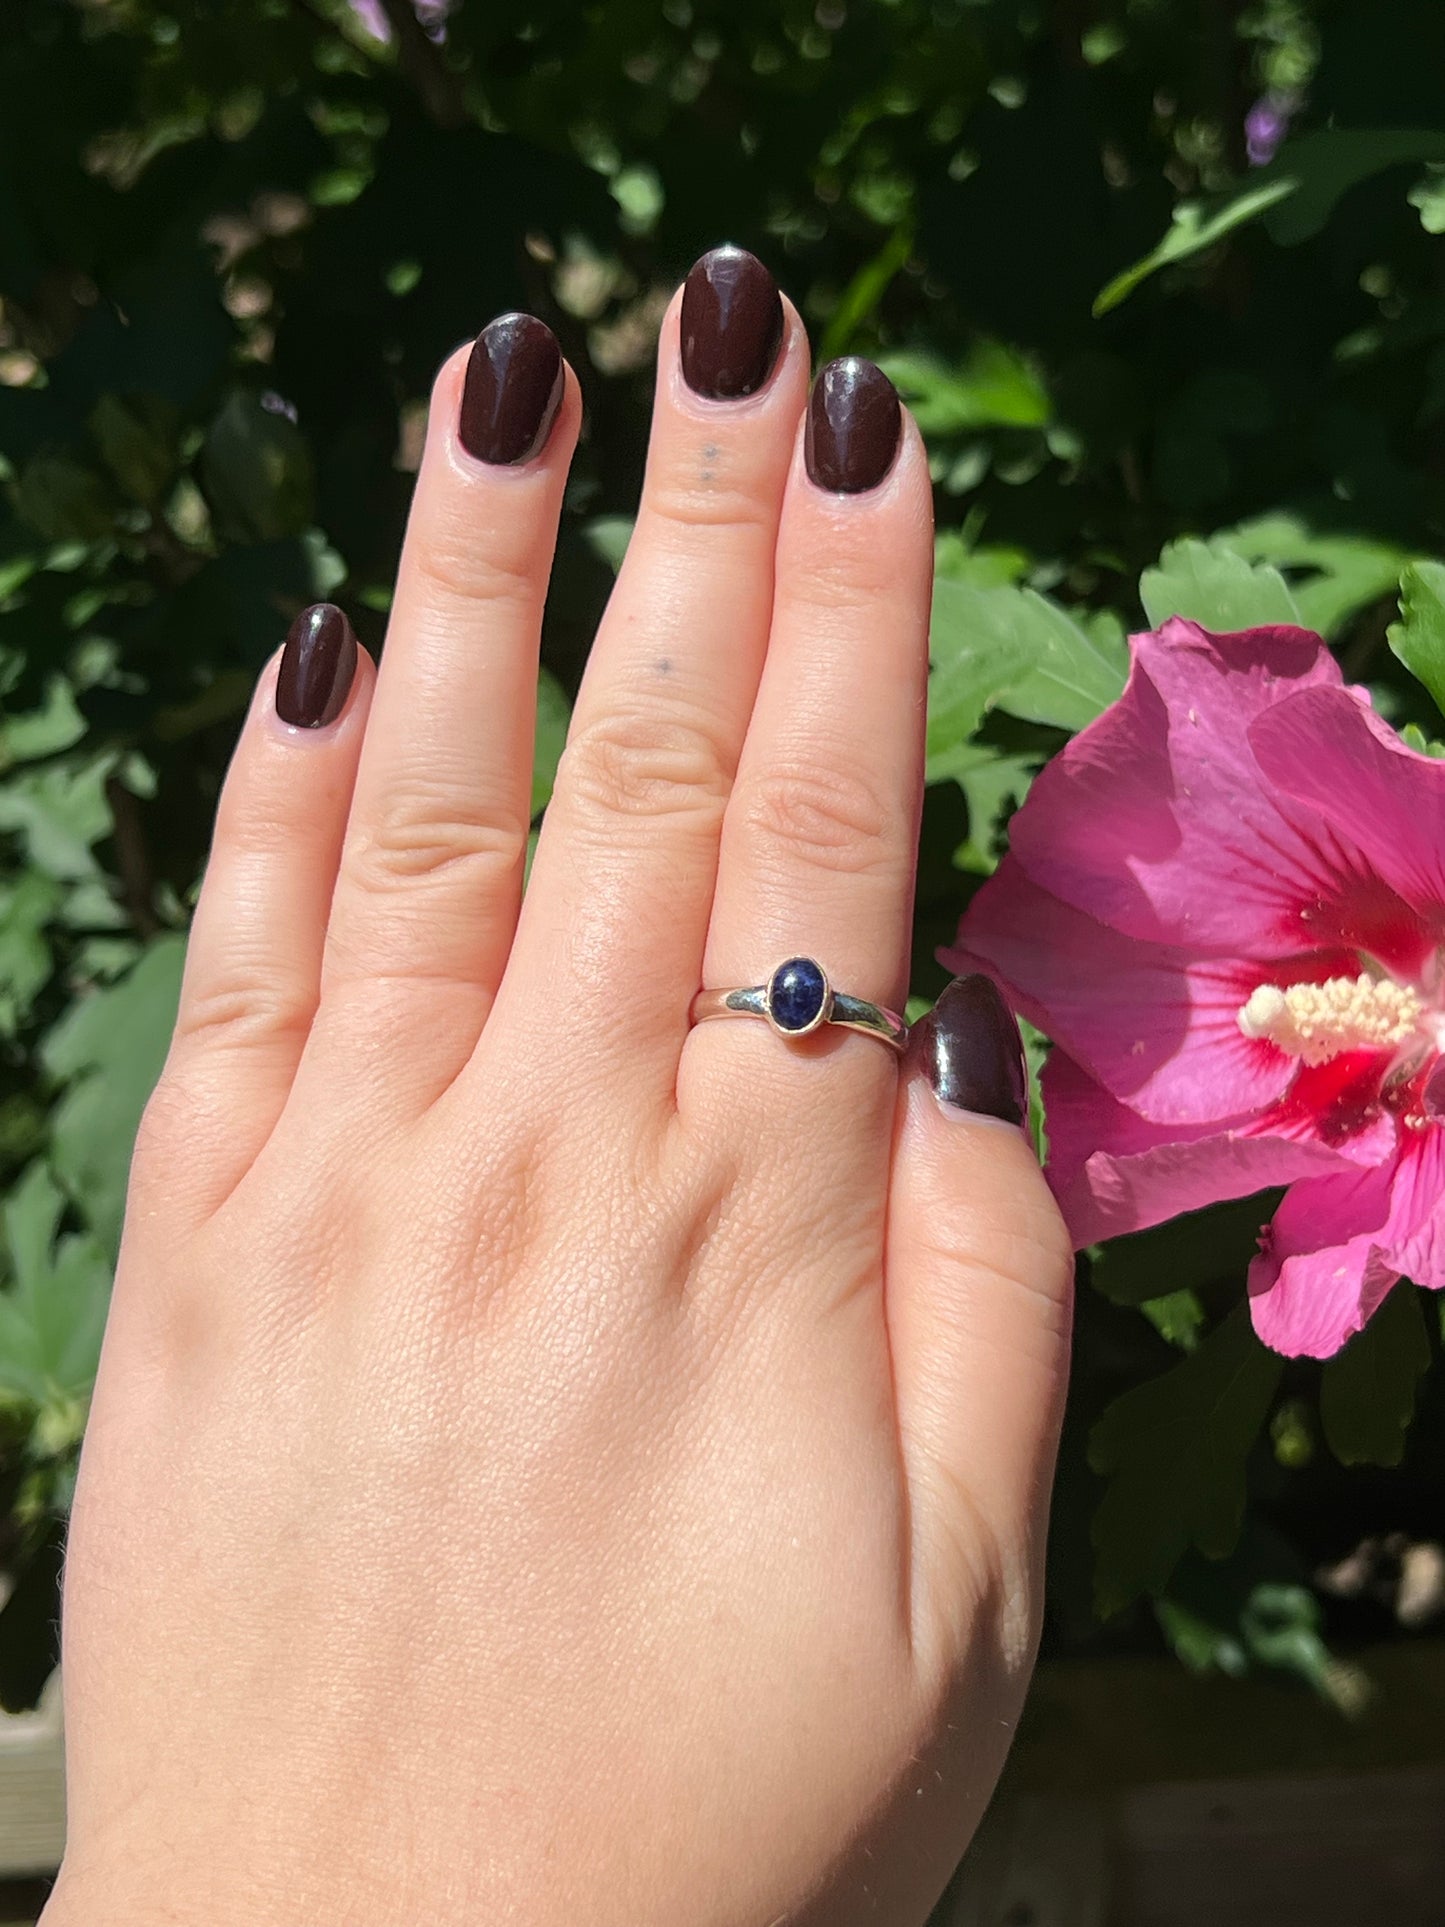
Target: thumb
[(979, 1299)]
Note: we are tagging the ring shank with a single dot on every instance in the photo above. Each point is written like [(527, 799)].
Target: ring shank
[(851, 1013)]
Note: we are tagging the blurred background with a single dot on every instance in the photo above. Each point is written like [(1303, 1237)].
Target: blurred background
[(1164, 281)]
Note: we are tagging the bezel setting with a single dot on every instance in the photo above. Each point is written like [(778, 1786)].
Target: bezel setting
[(825, 1001)]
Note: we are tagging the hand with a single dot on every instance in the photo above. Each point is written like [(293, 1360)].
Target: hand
[(550, 1463)]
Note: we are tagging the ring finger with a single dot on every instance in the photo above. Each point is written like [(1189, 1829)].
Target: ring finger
[(819, 842)]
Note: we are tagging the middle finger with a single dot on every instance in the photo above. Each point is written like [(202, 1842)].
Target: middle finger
[(616, 913)]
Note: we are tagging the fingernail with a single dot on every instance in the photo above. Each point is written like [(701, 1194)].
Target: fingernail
[(854, 422), (512, 391), (972, 1053), (317, 667), (732, 325)]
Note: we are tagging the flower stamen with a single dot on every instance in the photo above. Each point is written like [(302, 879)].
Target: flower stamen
[(1316, 1022)]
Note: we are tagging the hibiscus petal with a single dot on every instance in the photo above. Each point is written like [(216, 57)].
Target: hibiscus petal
[(1417, 1212), (1113, 1172), (1156, 1027), (1384, 802), (1322, 1268), (1337, 1245), (1155, 818)]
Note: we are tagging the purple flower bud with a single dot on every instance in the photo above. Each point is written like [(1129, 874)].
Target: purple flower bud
[(1265, 126), (431, 13)]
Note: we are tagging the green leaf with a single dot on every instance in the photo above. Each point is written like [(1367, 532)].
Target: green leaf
[(27, 906), (55, 726), (608, 536), (1418, 638), (256, 470), (1332, 576), (110, 1047), (1187, 1253), (1222, 1618), (64, 500), (1428, 194), (1078, 668), (1328, 162), (975, 657), (987, 567), (1036, 1055), (1198, 1642), (1195, 226), (1178, 1317), (226, 695), (860, 299), (1416, 739), (992, 387), (1367, 1391), (138, 439), (1281, 1627), (993, 781), (1016, 649), (1174, 1451), (1295, 195), (1215, 587), (53, 1315), (59, 810), (553, 715), (1292, 1434)]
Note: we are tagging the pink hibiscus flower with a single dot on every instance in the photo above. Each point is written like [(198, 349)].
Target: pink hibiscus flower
[(1225, 903)]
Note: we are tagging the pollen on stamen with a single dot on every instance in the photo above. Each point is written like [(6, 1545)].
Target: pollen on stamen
[(1316, 1022)]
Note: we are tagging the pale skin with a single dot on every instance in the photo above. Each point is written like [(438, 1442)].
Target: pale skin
[(551, 1464)]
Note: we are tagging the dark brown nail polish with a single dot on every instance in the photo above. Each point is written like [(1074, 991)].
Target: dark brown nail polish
[(317, 667), (512, 391), (971, 1051), (732, 325), (854, 422)]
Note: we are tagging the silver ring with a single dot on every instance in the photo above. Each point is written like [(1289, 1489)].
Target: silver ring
[(798, 999)]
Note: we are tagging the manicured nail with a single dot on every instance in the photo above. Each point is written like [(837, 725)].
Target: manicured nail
[(854, 422), (972, 1053), (732, 325), (317, 667), (512, 391)]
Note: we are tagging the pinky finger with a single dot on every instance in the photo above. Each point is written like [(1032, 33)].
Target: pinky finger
[(253, 964)]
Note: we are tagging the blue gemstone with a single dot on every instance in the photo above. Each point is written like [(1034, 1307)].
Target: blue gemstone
[(797, 992)]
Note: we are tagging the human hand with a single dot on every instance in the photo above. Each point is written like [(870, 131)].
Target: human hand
[(550, 1463)]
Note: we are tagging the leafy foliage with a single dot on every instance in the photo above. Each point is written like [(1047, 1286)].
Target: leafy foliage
[(1367, 1395), (1216, 587), (1418, 638), (1174, 1451), (237, 237)]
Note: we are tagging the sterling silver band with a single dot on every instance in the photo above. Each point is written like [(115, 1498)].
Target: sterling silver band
[(795, 1009)]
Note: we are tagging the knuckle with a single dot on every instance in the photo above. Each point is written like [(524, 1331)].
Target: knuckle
[(239, 1013), (701, 501), (166, 1121), (422, 837), (460, 562), (829, 819), (840, 578), (188, 1120), (642, 763)]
